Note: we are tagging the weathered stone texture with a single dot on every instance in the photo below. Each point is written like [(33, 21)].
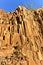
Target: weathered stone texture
[(21, 37)]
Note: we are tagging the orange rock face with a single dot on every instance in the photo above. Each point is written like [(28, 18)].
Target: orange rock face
[(21, 37)]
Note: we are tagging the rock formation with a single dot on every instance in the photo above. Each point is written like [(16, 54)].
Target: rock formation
[(21, 37)]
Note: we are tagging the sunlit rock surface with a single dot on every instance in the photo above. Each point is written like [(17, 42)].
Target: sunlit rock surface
[(21, 37)]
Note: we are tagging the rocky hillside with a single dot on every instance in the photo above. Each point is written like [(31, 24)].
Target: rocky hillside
[(21, 37)]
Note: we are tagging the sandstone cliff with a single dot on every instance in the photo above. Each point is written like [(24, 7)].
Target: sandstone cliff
[(21, 37)]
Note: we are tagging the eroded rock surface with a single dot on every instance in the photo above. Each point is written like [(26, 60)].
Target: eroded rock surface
[(21, 37)]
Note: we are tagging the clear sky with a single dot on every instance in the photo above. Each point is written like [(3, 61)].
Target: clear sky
[(11, 5)]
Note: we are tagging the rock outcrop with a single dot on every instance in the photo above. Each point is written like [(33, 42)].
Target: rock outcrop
[(21, 37)]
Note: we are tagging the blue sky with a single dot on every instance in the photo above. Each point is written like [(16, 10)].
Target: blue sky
[(11, 5)]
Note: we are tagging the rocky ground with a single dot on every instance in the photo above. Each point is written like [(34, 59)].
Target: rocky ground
[(21, 37)]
